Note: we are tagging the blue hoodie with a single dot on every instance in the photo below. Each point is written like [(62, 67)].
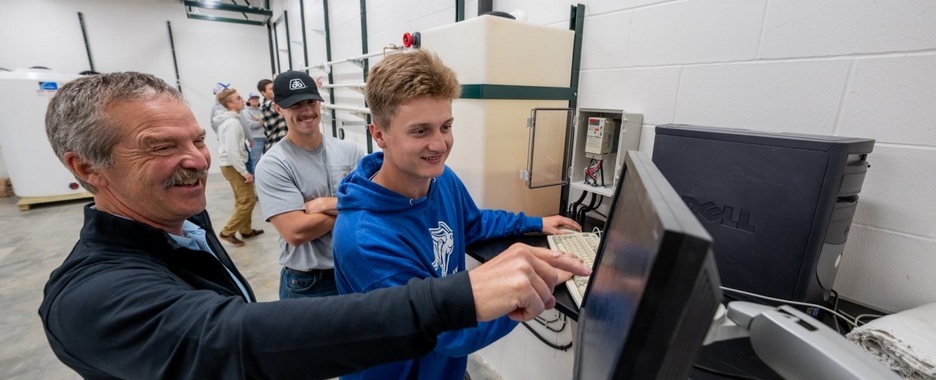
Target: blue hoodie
[(383, 239)]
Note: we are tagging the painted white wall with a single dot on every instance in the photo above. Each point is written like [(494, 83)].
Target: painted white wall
[(856, 69), (133, 36)]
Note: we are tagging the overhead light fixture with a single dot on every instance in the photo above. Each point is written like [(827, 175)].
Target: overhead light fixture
[(227, 12)]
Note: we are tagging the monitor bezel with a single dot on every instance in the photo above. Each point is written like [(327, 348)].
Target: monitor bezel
[(651, 338)]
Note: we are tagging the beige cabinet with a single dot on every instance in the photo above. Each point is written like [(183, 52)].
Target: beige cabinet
[(507, 68)]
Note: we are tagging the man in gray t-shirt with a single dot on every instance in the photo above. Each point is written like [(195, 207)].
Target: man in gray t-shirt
[(296, 182)]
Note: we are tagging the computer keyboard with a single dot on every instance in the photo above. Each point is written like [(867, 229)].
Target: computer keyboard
[(583, 245)]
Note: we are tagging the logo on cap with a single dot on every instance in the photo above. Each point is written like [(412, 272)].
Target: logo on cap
[(296, 84)]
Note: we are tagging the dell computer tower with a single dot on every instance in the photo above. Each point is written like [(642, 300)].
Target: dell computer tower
[(778, 205)]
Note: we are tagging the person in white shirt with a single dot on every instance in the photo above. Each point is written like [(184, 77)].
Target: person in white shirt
[(233, 160)]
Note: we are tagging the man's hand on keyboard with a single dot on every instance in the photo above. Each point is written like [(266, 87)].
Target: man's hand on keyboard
[(519, 282), (558, 224), (565, 276)]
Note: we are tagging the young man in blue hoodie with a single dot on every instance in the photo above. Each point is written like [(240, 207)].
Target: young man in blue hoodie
[(403, 214)]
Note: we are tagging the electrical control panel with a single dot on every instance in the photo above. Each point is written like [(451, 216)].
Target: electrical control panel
[(599, 137), (597, 155)]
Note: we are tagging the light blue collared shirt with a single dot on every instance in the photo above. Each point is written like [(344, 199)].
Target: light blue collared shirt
[(194, 239)]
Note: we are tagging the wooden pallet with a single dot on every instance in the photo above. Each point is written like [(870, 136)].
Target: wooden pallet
[(26, 202)]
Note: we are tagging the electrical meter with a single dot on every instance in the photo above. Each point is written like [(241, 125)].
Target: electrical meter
[(599, 137)]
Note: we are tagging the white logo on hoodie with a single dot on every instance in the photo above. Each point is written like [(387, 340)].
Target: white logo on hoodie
[(443, 243)]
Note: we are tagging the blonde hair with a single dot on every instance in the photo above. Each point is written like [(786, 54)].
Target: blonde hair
[(401, 77), (223, 96)]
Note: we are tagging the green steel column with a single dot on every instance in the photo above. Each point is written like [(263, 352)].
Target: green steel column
[(305, 43), (366, 67), (272, 48), (576, 23), (331, 77), (279, 67), (288, 44)]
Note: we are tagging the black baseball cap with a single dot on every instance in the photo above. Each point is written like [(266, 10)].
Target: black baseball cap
[(293, 87)]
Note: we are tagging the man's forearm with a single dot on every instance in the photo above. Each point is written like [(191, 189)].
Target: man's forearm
[(301, 228)]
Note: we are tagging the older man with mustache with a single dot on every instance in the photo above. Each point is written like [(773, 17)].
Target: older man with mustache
[(148, 292)]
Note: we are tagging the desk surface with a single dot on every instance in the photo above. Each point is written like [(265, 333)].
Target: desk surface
[(488, 249)]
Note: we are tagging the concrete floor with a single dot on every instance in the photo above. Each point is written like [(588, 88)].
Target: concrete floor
[(35, 242)]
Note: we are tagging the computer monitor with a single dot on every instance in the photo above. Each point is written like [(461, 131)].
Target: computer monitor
[(654, 288)]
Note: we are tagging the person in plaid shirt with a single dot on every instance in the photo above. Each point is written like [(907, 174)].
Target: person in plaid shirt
[(274, 126)]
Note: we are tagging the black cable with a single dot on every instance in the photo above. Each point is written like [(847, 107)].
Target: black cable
[(601, 172), (591, 206), (595, 209), (546, 342), (550, 328), (580, 218), (547, 324), (723, 374), (573, 208), (581, 211), (580, 199)]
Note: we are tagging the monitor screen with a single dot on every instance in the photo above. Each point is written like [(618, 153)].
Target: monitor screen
[(654, 289)]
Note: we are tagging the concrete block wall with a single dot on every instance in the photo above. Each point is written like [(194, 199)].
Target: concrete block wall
[(858, 69)]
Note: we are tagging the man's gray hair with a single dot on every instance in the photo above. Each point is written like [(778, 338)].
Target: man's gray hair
[(77, 119)]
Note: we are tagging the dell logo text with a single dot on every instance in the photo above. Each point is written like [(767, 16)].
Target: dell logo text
[(711, 212)]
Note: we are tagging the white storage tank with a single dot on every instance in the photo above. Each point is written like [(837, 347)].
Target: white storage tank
[(33, 168)]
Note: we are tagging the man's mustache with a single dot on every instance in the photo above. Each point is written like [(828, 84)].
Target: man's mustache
[(185, 176)]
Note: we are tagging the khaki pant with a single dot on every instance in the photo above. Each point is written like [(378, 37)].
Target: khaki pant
[(244, 201)]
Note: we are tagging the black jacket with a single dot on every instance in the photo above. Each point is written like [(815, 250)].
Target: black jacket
[(130, 303)]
